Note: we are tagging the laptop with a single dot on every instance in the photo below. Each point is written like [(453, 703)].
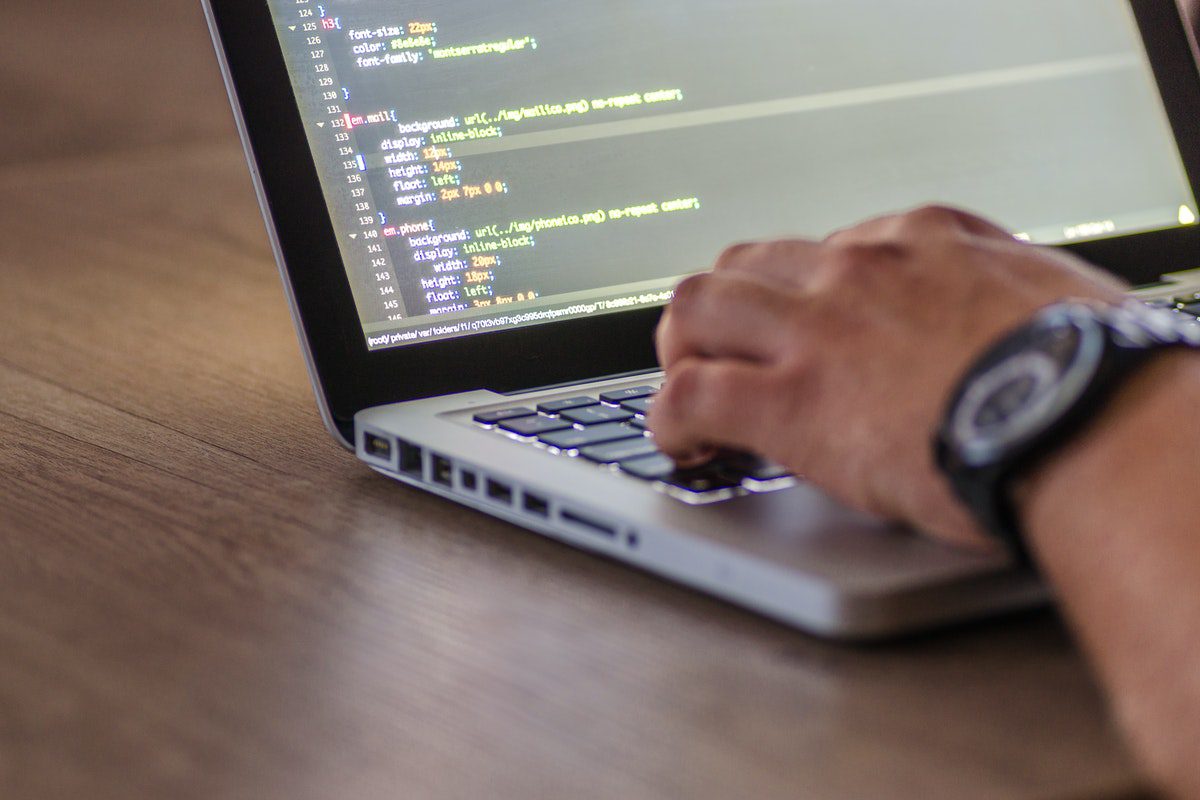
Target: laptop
[(480, 208)]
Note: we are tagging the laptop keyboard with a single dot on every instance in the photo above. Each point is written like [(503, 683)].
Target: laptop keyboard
[(1187, 305), (609, 430)]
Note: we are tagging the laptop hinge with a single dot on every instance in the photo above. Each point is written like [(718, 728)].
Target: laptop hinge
[(583, 381)]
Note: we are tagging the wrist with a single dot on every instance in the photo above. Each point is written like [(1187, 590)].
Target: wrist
[(1076, 485)]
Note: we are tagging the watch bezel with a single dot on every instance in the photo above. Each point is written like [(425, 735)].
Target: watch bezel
[(977, 447)]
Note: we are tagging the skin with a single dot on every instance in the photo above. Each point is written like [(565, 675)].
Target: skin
[(837, 358), (773, 377)]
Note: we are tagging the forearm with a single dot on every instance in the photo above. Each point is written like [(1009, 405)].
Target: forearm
[(1114, 520), (796, 363)]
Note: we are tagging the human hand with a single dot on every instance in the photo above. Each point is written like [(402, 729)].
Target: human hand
[(837, 358)]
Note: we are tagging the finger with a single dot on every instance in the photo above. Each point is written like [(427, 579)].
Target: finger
[(786, 261), (713, 403), (726, 315)]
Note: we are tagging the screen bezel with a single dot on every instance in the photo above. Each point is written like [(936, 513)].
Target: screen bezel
[(352, 378)]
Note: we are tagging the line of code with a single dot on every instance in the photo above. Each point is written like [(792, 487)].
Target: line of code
[(435, 227)]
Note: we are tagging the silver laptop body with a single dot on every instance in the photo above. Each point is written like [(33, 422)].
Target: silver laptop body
[(902, 103)]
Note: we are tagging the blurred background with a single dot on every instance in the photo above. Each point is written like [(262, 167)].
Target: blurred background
[(92, 76)]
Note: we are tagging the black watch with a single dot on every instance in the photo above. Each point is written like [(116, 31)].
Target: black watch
[(1037, 388)]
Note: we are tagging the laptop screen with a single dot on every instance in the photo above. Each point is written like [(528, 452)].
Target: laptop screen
[(493, 165)]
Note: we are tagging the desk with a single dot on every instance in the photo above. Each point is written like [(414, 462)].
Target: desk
[(202, 596)]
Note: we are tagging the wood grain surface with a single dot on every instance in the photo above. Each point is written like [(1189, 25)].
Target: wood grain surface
[(201, 596)]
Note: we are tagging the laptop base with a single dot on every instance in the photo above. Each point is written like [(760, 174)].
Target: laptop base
[(793, 555)]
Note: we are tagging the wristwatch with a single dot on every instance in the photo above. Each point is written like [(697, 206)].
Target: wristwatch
[(1037, 388)]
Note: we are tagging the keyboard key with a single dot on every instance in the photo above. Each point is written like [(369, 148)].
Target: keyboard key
[(702, 480), (596, 415), (534, 426), (638, 422), (558, 406), (662, 468), (639, 406), (621, 395), (598, 434), (492, 417), (1191, 308), (650, 468), (619, 451)]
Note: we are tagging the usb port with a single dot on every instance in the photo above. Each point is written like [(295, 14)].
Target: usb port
[(500, 492), (377, 447), (443, 470), (538, 506), (411, 460), (468, 479)]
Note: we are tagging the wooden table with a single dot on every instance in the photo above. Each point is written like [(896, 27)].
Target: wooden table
[(202, 596)]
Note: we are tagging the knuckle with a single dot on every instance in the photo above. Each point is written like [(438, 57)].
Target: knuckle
[(787, 249), (689, 292), (867, 226), (700, 296), (732, 255), (934, 216), (724, 291), (837, 237), (751, 256)]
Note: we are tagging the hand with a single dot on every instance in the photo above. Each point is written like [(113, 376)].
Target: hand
[(837, 358)]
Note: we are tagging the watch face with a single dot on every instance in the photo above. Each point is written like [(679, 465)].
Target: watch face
[(1024, 385)]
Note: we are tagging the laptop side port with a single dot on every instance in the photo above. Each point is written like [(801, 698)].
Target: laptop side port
[(589, 524), (468, 479), (377, 446), (500, 492), (411, 460), (538, 506), (443, 470)]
